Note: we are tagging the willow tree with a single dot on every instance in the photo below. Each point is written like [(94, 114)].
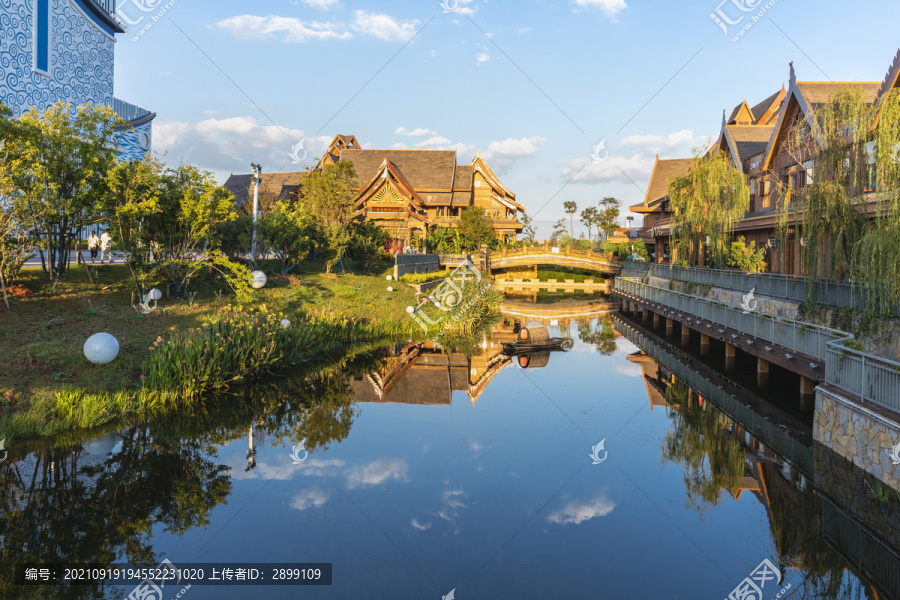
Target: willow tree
[(707, 202)]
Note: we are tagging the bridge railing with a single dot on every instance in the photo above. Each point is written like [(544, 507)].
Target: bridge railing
[(793, 288), (561, 251), (872, 378)]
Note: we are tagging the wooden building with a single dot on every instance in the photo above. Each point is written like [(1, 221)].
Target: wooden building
[(407, 191), (760, 142)]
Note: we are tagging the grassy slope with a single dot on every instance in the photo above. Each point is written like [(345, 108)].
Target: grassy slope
[(44, 333)]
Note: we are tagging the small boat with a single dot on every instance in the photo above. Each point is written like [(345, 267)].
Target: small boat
[(535, 339)]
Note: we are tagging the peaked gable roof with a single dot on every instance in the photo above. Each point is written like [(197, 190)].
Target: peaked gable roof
[(665, 170), (766, 111), (743, 141), (808, 96), (276, 185), (423, 169)]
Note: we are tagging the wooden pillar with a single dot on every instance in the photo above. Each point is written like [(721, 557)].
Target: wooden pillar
[(807, 386), (762, 372), (655, 320), (624, 304), (645, 314), (670, 325), (704, 344), (730, 353), (685, 334)]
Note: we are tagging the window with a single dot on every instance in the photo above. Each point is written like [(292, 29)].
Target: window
[(440, 211), (496, 213), (42, 36), (871, 168), (808, 165), (752, 195)]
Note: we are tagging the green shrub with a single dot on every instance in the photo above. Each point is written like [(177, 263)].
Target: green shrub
[(417, 278)]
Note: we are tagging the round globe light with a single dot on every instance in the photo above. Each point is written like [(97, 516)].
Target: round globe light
[(154, 294), (390, 289), (285, 323), (390, 277), (259, 280), (101, 348), (410, 309)]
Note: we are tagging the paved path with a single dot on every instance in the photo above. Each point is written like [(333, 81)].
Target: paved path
[(35, 260)]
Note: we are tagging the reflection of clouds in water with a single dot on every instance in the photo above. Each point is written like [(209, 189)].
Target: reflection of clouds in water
[(580, 511), (624, 346), (310, 497), (452, 500), (420, 526), (629, 369), (284, 471), (377, 472)]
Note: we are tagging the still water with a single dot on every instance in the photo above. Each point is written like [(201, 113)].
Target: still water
[(624, 468)]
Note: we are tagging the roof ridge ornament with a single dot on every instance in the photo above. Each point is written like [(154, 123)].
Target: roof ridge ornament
[(724, 119), (793, 75)]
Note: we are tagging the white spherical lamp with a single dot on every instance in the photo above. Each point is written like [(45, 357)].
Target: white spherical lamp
[(154, 294), (285, 323), (390, 277), (101, 348), (259, 280), (390, 289), (410, 309)]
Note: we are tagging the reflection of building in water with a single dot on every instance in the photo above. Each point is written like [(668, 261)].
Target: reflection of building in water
[(428, 374), (652, 375)]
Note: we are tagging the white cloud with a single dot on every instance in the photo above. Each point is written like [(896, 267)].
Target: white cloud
[(414, 132), (483, 57), (321, 4), (383, 27), (400, 146), (632, 161), (376, 473), (420, 526), (309, 498), (525, 30), (577, 512), (629, 369), (610, 8), (435, 143), (502, 154), (287, 29), (229, 145), (452, 501)]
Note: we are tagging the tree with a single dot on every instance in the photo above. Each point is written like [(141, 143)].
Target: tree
[(476, 228), (57, 165), (327, 195), (608, 216), (132, 195), (745, 256), (591, 218), (559, 230), (289, 231), (707, 201), (367, 243), (528, 229), (571, 208)]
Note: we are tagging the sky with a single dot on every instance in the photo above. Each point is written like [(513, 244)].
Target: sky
[(567, 100)]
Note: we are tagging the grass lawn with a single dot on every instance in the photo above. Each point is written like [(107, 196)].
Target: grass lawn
[(43, 335)]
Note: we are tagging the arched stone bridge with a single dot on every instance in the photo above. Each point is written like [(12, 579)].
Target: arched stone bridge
[(560, 257)]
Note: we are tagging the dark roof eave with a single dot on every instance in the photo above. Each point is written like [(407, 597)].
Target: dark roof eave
[(104, 16), (137, 122)]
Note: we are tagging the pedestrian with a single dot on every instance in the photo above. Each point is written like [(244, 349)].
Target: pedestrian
[(105, 239), (93, 245)]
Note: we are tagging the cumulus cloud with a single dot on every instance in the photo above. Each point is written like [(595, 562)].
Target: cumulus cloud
[(414, 132), (503, 154), (631, 160), (229, 145), (287, 29), (383, 26), (610, 8), (376, 473), (577, 512), (312, 497)]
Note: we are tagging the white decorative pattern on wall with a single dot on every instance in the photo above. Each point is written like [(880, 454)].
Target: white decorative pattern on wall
[(81, 58), (133, 144)]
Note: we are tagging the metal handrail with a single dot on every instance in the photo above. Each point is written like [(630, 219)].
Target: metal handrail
[(791, 287), (872, 378)]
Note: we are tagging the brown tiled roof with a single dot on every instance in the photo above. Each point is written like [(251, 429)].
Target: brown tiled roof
[(818, 92), (760, 109), (279, 185), (750, 139), (424, 169), (465, 175), (438, 199), (462, 199), (664, 171)]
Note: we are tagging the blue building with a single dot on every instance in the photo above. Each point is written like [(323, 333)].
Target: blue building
[(64, 50)]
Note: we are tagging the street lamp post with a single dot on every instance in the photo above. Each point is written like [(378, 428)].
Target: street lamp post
[(257, 172)]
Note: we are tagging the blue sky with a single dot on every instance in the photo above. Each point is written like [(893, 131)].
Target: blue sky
[(534, 85)]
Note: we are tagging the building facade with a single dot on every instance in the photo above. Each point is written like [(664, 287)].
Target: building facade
[(760, 140), (64, 51)]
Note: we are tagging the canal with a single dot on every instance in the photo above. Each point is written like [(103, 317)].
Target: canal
[(627, 467)]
